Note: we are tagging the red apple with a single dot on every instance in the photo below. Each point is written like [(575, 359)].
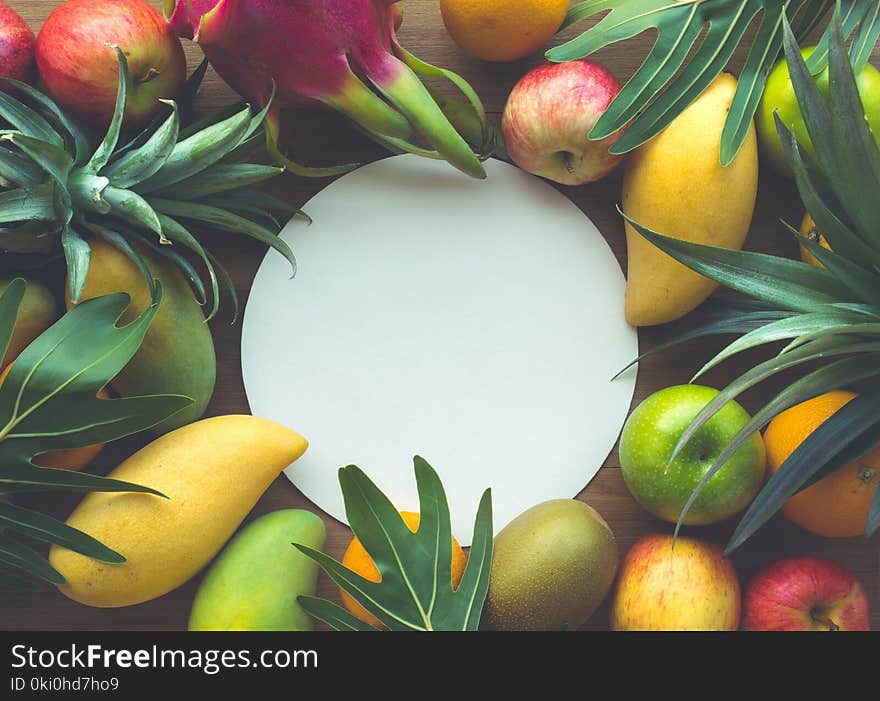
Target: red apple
[(806, 593), (16, 47), (548, 116), (80, 68)]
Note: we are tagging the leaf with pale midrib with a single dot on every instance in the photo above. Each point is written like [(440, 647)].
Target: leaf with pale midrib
[(415, 591)]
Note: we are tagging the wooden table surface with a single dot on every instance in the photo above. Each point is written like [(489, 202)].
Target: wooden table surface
[(326, 139)]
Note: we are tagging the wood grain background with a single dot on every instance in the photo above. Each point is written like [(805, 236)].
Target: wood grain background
[(322, 138)]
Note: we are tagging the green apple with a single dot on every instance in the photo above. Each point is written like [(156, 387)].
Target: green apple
[(649, 437), (779, 96)]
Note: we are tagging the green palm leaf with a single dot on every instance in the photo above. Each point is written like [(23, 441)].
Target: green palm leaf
[(681, 64), (833, 316), (415, 592), (837, 433)]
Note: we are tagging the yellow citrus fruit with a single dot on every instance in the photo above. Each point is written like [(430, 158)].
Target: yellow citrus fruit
[(837, 505), (808, 229), (502, 30), (358, 560), (72, 459)]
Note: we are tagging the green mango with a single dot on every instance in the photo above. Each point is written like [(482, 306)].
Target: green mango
[(38, 311), (177, 355), (254, 583)]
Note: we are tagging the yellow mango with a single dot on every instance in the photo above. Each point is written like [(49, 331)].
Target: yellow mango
[(213, 471), (675, 185)]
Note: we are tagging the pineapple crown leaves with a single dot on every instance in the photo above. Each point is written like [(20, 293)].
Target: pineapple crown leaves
[(685, 59), (828, 316), (415, 592), (48, 402), (150, 190)]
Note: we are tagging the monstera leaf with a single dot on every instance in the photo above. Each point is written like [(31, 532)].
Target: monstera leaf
[(416, 590), (681, 64), (48, 402)]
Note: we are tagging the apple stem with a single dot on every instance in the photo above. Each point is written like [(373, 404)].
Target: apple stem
[(148, 76), (825, 621)]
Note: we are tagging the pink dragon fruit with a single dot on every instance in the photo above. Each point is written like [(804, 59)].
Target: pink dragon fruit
[(342, 53)]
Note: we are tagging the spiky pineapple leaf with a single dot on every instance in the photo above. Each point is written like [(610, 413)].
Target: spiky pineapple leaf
[(140, 164), (825, 379), (225, 221), (785, 283), (199, 151), (79, 140), (829, 439), (685, 59), (78, 256), (822, 204), (105, 149), (415, 592), (728, 324), (797, 326)]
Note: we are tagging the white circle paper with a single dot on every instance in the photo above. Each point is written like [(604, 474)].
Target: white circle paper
[(475, 323)]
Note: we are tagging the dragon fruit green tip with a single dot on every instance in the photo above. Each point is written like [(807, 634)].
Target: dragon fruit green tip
[(341, 53)]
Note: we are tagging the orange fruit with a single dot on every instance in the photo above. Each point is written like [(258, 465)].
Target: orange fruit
[(358, 560), (502, 30), (808, 229), (837, 505), (72, 459)]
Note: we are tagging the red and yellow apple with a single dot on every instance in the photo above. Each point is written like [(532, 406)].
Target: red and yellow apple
[(692, 586), (806, 594), (548, 117), (80, 69)]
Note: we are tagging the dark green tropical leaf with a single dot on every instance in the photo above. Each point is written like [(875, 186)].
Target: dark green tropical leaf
[(873, 522), (11, 581), (846, 151), (788, 284), (48, 401), (781, 330), (51, 530), (416, 591), (863, 284), (332, 614), (827, 378), (732, 323), (856, 450), (821, 445), (685, 58), (14, 554), (10, 301), (822, 204)]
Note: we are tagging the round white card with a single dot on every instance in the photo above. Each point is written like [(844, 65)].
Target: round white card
[(475, 323)]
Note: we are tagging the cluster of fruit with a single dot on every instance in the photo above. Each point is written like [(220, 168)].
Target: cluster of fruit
[(554, 564)]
